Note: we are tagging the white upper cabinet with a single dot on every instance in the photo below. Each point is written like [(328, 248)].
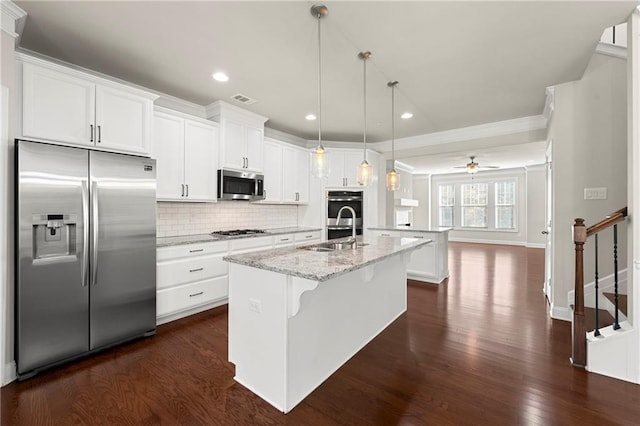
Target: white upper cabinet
[(344, 167), (286, 173), (66, 106), (241, 136), (272, 172), (185, 151)]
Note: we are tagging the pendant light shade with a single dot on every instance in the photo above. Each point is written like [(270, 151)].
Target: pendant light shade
[(320, 166), (393, 179), (365, 171)]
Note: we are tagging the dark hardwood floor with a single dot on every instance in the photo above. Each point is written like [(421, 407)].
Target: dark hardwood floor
[(478, 349)]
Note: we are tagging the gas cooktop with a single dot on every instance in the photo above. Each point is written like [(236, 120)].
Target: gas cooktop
[(236, 232)]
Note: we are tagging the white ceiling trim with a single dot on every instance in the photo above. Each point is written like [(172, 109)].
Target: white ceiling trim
[(612, 50), (11, 14), (499, 128), (550, 103)]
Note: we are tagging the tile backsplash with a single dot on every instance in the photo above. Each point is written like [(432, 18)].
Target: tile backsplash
[(177, 219)]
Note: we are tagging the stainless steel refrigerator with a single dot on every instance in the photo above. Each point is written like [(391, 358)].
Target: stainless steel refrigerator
[(85, 252)]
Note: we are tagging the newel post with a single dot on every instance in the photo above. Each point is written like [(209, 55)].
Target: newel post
[(579, 352)]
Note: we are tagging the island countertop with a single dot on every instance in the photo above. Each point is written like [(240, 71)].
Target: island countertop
[(411, 229), (322, 266)]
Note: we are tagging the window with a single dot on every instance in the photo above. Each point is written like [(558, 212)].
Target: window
[(447, 200), (505, 205), (475, 199)]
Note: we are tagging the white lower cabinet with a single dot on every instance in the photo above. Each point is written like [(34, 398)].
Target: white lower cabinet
[(303, 238), (190, 278), (429, 263)]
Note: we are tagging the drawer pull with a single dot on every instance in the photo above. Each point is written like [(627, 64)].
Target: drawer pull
[(196, 294), (284, 239), (196, 251), (418, 236), (308, 236), (385, 235), (196, 270)]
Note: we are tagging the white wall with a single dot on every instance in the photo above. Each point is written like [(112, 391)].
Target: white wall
[(422, 193), (589, 136), (536, 178), (517, 237)]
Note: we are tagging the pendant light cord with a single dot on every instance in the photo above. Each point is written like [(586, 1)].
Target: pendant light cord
[(393, 127), (319, 84), (365, 108)]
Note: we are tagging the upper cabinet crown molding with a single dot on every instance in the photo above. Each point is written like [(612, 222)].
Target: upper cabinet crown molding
[(12, 18), (218, 108)]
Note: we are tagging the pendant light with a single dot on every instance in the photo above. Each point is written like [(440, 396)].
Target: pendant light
[(320, 166), (364, 170), (393, 179)]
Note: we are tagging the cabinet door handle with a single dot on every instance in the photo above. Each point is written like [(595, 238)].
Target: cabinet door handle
[(196, 270), (196, 294), (91, 125), (247, 162), (182, 194), (187, 192), (196, 250), (99, 134)]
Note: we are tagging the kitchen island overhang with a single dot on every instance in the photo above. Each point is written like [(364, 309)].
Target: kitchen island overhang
[(296, 316)]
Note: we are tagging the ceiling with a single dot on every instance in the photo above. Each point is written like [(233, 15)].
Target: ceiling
[(459, 64)]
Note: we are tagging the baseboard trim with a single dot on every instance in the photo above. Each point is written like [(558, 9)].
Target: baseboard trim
[(560, 313), (536, 245), (10, 374), (182, 314)]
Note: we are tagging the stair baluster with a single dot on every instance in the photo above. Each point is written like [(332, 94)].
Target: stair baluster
[(616, 325), (597, 331)]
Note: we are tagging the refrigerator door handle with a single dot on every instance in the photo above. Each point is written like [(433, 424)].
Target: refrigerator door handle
[(85, 234), (94, 254)]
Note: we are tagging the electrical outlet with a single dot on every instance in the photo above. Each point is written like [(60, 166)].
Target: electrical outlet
[(255, 305), (595, 193)]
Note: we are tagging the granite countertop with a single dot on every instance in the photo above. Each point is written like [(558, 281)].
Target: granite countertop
[(322, 266), (207, 238), (411, 228)]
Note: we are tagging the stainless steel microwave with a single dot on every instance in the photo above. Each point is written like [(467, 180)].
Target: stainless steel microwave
[(234, 185)]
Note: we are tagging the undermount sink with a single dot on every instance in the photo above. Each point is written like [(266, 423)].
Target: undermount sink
[(333, 246)]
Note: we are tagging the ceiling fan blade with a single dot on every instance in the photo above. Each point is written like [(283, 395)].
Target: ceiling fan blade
[(489, 167)]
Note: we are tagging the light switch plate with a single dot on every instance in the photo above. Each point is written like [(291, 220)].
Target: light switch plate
[(595, 193)]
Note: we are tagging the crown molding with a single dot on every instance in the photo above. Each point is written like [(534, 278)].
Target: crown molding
[(284, 137), (550, 103), (498, 128), (613, 50), (535, 167), (180, 105), (12, 18), (217, 108)]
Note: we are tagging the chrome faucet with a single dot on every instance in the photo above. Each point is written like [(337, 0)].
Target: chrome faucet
[(353, 215)]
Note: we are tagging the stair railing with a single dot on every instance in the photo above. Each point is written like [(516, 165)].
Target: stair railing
[(580, 235)]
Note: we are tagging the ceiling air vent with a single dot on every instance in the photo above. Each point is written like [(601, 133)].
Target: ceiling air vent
[(243, 99)]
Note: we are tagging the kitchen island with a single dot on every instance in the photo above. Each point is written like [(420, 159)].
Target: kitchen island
[(430, 263), (296, 315)]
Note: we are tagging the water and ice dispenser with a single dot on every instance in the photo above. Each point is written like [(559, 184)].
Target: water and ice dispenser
[(54, 235)]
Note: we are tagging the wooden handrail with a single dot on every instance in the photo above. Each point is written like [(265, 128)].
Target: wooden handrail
[(580, 235), (612, 219)]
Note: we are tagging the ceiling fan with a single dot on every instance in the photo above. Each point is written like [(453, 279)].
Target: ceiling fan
[(473, 167)]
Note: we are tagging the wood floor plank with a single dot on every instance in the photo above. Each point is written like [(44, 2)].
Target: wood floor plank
[(478, 349)]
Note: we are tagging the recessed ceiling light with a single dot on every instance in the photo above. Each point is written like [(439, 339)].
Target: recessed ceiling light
[(406, 116), (220, 76), (310, 117)]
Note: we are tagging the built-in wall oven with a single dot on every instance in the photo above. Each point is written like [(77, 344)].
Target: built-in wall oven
[(335, 201)]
